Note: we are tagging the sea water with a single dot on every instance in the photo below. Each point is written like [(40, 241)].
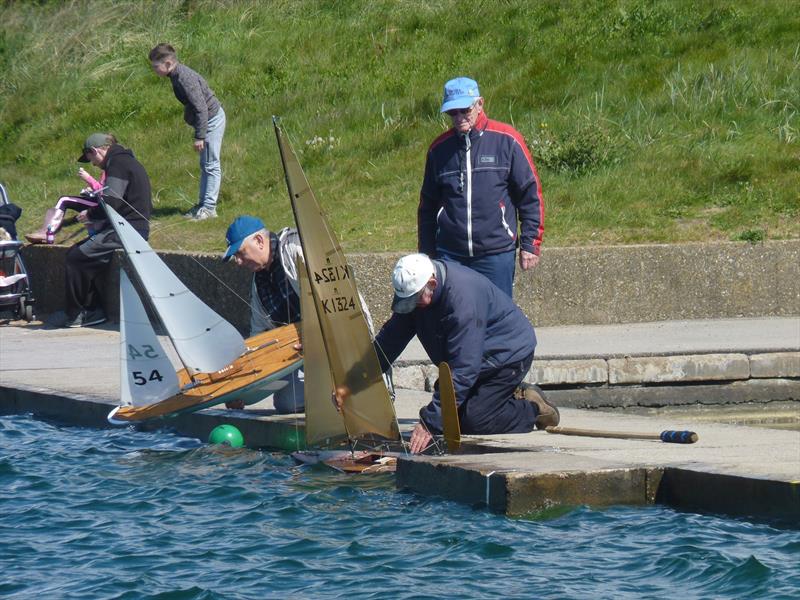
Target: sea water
[(88, 513)]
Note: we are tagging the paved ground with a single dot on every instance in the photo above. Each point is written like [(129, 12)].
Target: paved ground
[(52, 358), (767, 334)]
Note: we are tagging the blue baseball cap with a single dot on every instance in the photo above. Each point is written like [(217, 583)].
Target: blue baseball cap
[(238, 231), (460, 92)]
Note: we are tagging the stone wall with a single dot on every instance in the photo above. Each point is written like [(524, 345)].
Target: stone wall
[(592, 285)]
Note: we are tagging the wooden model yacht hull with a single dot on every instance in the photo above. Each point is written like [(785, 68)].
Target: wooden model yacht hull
[(362, 461), (250, 378)]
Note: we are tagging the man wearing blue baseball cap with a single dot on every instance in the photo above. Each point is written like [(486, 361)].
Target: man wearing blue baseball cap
[(275, 291), (481, 196)]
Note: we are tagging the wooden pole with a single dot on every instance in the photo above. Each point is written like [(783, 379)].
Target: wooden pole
[(672, 437)]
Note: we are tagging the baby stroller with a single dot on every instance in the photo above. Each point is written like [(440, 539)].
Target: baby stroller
[(15, 290)]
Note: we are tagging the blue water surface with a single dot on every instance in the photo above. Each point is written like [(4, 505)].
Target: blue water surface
[(90, 513)]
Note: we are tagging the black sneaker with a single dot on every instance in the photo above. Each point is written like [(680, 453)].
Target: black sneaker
[(87, 318), (548, 413)]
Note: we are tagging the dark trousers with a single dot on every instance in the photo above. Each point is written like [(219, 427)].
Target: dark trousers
[(86, 262), (497, 268), (490, 406)]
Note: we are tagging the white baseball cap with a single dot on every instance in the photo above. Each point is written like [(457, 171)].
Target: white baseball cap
[(409, 278)]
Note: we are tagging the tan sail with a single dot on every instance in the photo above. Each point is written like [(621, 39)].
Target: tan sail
[(348, 345), (323, 422)]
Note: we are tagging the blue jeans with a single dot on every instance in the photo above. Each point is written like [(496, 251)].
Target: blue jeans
[(497, 268), (210, 168)]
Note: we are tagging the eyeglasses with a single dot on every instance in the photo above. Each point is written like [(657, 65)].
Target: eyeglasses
[(456, 112)]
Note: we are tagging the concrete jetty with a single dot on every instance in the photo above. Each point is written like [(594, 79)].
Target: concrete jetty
[(595, 372)]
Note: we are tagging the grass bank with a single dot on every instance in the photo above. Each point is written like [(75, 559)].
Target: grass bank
[(649, 121)]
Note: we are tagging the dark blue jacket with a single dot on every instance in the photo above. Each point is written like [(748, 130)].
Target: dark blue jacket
[(471, 324), (472, 193)]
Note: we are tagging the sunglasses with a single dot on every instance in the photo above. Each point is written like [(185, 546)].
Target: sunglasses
[(456, 112)]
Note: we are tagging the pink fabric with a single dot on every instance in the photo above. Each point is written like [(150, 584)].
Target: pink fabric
[(92, 182)]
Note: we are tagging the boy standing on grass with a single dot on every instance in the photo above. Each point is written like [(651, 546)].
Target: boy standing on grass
[(201, 110)]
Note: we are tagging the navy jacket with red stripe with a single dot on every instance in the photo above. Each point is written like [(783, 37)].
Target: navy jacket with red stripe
[(475, 189)]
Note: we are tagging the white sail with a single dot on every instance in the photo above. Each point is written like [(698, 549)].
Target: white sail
[(147, 375), (204, 341)]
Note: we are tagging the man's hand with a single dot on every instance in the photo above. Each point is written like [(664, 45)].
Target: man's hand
[(339, 396), (199, 145), (527, 260), (420, 438)]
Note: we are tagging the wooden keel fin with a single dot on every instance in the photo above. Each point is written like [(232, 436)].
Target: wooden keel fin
[(447, 400)]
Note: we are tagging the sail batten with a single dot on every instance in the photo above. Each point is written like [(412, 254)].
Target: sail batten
[(204, 341), (350, 355)]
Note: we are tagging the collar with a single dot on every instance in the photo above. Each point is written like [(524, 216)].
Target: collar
[(275, 260), (441, 277), (480, 126), (481, 123)]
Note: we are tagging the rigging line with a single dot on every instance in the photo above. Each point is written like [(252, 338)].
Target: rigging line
[(294, 376), (192, 258), (390, 386)]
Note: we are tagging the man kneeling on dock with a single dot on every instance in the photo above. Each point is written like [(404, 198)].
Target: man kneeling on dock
[(462, 318)]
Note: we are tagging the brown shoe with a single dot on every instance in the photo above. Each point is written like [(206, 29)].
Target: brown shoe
[(548, 413)]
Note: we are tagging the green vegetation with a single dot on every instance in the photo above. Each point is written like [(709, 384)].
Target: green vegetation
[(650, 121)]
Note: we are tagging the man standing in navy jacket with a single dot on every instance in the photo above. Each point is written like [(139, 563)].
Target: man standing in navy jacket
[(479, 181), (462, 318)]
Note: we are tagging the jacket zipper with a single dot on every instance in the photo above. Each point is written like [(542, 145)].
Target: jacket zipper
[(468, 143)]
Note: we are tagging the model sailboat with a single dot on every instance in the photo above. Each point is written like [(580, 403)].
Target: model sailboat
[(218, 364), (337, 344)]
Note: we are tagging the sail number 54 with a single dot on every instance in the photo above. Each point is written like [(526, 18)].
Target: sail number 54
[(140, 379), (144, 351)]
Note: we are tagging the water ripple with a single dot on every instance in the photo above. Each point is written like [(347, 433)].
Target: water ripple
[(122, 514)]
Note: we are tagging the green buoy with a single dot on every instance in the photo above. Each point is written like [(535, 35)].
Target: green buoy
[(227, 435)]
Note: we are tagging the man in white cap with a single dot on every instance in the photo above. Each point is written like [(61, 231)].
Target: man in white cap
[(462, 318), (480, 181)]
